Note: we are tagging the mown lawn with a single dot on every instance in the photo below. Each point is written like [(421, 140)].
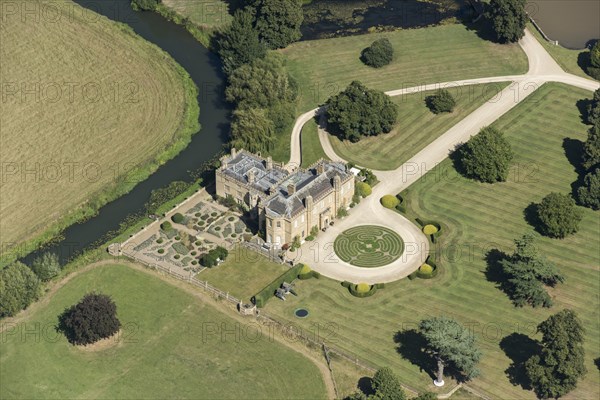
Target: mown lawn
[(568, 59), (428, 55), (243, 274), (165, 351), (417, 127), (478, 217), (311, 146)]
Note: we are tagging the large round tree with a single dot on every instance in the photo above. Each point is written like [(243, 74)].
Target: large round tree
[(508, 18), (378, 54), (558, 215), (358, 111), (555, 371), (278, 21), (92, 319), (451, 344), (487, 156)]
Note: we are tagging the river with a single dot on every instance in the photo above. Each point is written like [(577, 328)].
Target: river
[(204, 68), (573, 23)]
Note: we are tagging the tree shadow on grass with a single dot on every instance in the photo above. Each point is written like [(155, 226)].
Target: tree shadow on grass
[(530, 213), (583, 107), (455, 156), (410, 346), (365, 385), (494, 272), (519, 348)]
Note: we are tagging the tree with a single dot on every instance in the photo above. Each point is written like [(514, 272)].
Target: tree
[(594, 68), (378, 54), (239, 44), (19, 287), (593, 109), (591, 148), (46, 266), (555, 371), (261, 84), (358, 111), (146, 5), (278, 22), (440, 102), (363, 189), (251, 129), (558, 215), (450, 344), (508, 19), (527, 272), (426, 396), (92, 319), (487, 156), (386, 385), (589, 193)]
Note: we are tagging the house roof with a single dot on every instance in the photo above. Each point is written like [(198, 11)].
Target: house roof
[(244, 164)]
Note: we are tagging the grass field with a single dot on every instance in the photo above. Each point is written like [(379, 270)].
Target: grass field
[(428, 55), (478, 217), (89, 110), (417, 126), (243, 274), (311, 146), (205, 13), (164, 351), (568, 59)]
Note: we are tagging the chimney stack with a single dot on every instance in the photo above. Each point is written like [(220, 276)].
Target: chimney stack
[(291, 188), (269, 162), (250, 177), (320, 168), (233, 152)]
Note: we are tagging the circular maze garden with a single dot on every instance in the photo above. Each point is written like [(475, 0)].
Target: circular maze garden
[(368, 246)]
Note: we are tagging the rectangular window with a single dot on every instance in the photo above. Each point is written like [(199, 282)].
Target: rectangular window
[(302, 218), (227, 188), (271, 223), (279, 224), (295, 223)]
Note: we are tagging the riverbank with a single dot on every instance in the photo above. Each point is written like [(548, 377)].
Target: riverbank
[(117, 142)]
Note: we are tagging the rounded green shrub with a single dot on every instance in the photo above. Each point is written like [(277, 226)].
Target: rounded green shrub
[(441, 102), (363, 189), (380, 53), (160, 251), (426, 269), (176, 256), (159, 240), (389, 201), (166, 226), (177, 218), (177, 237), (231, 219), (363, 287), (430, 229)]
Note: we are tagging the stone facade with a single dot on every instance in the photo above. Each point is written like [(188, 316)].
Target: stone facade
[(286, 204)]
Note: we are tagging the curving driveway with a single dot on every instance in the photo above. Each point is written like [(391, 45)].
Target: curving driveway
[(320, 255)]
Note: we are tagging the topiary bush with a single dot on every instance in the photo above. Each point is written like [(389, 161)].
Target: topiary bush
[(362, 290), (177, 218), (166, 226), (430, 229), (380, 53), (362, 287), (428, 270), (389, 201), (441, 102)]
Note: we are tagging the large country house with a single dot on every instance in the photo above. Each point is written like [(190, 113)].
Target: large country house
[(286, 204)]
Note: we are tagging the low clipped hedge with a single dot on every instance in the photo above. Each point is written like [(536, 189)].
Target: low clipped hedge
[(177, 218), (362, 289), (401, 205), (389, 201), (306, 273), (261, 298)]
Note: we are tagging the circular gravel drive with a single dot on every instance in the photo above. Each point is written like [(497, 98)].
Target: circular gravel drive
[(368, 246)]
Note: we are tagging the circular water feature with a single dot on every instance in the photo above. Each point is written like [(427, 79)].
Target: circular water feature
[(301, 313)]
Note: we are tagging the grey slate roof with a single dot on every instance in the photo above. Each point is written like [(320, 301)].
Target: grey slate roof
[(243, 163), (308, 183)]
